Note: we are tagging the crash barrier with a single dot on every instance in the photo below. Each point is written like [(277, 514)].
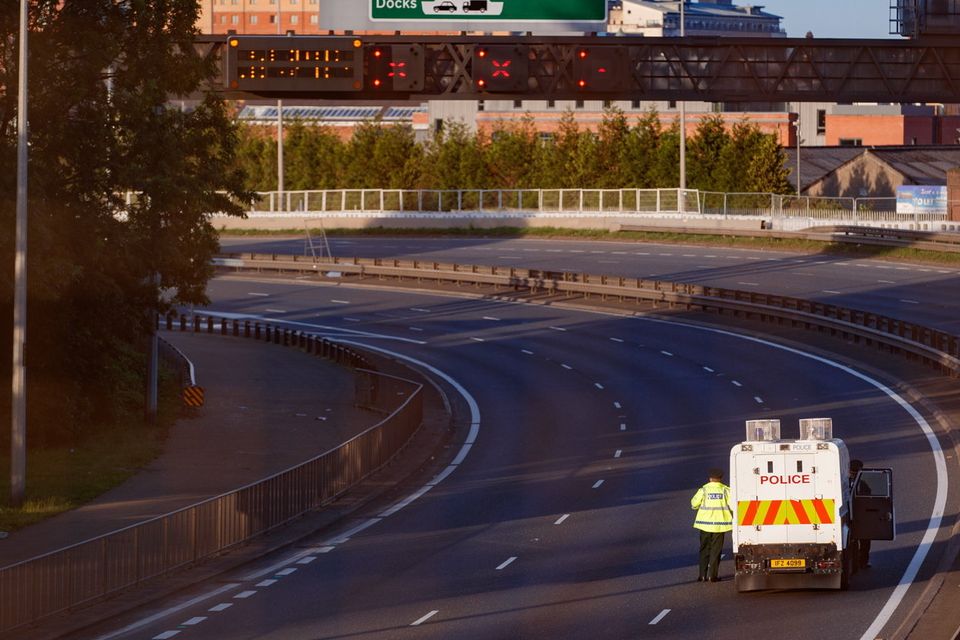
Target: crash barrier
[(936, 348), (107, 565), (847, 234)]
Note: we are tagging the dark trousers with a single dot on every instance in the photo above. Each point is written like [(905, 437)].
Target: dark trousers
[(711, 544)]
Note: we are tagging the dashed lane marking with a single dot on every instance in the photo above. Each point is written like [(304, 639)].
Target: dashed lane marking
[(419, 621), (758, 399), (618, 453), (616, 405), (616, 339), (223, 606), (660, 616), (506, 563), (287, 571), (243, 595), (736, 383), (166, 635), (417, 329), (306, 560), (558, 328), (709, 370), (598, 484), (340, 301), (269, 582), (491, 318), (259, 295), (908, 301), (193, 621), (526, 351), (566, 366), (478, 339), (667, 353), (562, 519), (419, 310), (598, 385)]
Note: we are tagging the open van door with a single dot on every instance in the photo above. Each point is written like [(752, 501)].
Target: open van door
[(873, 514)]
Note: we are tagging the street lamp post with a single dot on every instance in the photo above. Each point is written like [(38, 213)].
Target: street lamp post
[(280, 206), (683, 122), (18, 427), (799, 140)]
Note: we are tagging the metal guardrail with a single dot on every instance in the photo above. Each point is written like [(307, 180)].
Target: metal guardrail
[(937, 348), (97, 568)]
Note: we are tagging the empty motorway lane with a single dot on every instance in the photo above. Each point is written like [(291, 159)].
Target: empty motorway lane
[(568, 516)]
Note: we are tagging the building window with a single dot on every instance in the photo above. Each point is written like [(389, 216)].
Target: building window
[(607, 104), (294, 19), (254, 19), (634, 104), (518, 104), (223, 19), (551, 104), (234, 19), (314, 19), (851, 142), (546, 137), (821, 121), (481, 105), (672, 104), (579, 104), (273, 19)]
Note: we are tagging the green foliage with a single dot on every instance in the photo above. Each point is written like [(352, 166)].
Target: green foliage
[(105, 119)]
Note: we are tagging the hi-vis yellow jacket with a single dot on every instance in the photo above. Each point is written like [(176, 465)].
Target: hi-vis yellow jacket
[(712, 504)]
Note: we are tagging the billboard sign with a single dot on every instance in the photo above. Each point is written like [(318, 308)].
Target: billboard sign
[(535, 16), (913, 200)]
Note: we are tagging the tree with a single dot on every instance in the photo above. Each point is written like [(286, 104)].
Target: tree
[(766, 167), (640, 157), (704, 151), (511, 155), (102, 125)]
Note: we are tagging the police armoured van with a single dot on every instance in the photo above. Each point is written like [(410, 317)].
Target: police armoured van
[(798, 515)]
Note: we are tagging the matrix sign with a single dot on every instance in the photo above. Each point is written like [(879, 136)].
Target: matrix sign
[(912, 200), (294, 64), (493, 10)]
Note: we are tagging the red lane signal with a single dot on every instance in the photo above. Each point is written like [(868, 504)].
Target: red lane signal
[(599, 68), (395, 68), (502, 68)]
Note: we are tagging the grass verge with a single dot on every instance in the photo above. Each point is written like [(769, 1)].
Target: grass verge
[(904, 254), (64, 478)]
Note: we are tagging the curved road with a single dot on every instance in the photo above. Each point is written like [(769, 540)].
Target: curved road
[(569, 516)]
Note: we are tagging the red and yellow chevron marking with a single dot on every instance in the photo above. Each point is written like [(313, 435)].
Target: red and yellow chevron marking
[(193, 396), (767, 512)]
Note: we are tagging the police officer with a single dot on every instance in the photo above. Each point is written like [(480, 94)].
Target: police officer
[(861, 548), (714, 518)]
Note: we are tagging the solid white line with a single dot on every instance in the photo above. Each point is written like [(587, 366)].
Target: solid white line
[(269, 582), (758, 399), (735, 383), (417, 623), (667, 353), (598, 385), (617, 405), (169, 612), (344, 537), (166, 635), (243, 595), (618, 453), (193, 621), (562, 518), (708, 370), (223, 606), (529, 353), (660, 616), (616, 339), (597, 484), (272, 569), (506, 563)]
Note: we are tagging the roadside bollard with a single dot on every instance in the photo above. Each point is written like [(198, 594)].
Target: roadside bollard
[(276, 335), (209, 324), (196, 324), (236, 328), (183, 323), (324, 348), (246, 328), (169, 322), (286, 337), (224, 327)]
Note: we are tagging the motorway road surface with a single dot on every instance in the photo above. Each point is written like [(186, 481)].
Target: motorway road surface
[(569, 516), (923, 293)]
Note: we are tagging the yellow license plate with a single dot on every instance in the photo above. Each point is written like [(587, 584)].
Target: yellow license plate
[(788, 563)]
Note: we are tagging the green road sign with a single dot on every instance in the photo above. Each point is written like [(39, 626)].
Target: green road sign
[(492, 10)]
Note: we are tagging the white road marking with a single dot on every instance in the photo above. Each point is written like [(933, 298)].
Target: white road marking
[(558, 328), (736, 383), (616, 340), (287, 571), (491, 318), (623, 427), (322, 550), (166, 635), (566, 366), (618, 453), (419, 310), (340, 301), (562, 518), (509, 257), (667, 353), (417, 329), (641, 254), (708, 370), (243, 595), (478, 339), (598, 385), (660, 616), (223, 606), (306, 560), (910, 301), (529, 353), (616, 405), (886, 282), (353, 320), (139, 624), (758, 399), (420, 621), (269, 582), (193, 621), (749, 284), (832, 292), (274, 310), (272, 569), (597, 484), (259, 295), (506, 563), (618, 253)]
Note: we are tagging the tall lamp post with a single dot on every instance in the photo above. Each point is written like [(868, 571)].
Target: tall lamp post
[(683, 122), (18, 427), (279, 125), (799, 140)]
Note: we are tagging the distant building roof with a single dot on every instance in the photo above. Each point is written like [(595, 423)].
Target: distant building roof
[(332, 114)]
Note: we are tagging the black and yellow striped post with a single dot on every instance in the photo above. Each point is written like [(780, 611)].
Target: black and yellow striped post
[(193, 396)]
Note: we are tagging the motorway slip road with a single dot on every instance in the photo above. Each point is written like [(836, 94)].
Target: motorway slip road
[(267, 409)]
